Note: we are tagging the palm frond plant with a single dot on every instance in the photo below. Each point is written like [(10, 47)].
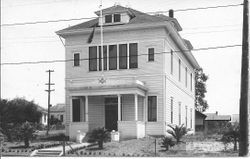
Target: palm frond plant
[(177, 131), (167, 142), (99, 135)]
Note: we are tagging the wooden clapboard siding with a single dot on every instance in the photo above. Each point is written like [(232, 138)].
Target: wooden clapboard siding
[(155, 128), (96, 112)]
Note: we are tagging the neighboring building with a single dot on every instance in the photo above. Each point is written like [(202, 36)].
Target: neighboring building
[(147, 82), (58, 112), (44, 117), (235, 118), (214, 122), (199, 121)]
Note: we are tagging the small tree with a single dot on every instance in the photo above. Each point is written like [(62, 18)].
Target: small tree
[(231, 134), (99, 135), (26, 132), (167, 142), (177, 132)]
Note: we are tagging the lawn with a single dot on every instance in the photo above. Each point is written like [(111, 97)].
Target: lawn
[(193, 146)]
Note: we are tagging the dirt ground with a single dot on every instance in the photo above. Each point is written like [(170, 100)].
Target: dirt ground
[(193, 146)]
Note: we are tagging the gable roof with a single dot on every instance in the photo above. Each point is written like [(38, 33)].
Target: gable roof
[(197, 113), (216, 117), (137, 17), (58, 108)]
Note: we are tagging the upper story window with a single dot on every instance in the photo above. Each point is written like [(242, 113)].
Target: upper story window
[(186, 76), (76, 59), (108, 18), (151, 53), (191, 81), (172, 62), (93, 58), (114, 57), (133, 55), (117, 18), (113, 18), (123, 56), (179, 70)]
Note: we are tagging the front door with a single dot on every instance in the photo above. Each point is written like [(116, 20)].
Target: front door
[(111, 113)]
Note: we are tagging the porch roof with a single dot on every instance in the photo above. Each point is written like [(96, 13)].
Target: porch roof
[(109, 87)]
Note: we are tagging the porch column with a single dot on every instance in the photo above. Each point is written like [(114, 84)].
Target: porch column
[(136, 107), (146, 108), (86, 109), (119, 107)]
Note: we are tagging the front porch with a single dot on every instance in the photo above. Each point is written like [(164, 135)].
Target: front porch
[(121, 108)]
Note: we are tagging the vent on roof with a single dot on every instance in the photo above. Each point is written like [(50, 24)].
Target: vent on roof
[(171, 13)]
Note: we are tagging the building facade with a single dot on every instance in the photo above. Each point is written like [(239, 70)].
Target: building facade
[(58, 112), (144, 81)]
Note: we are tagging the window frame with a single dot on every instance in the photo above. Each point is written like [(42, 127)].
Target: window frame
[(109, 15), (93, 59), (131, 56), (114, 19), (150, 109), (111, 58), (151, 55), (171, 62), (74, 59), (179, 104), (171, 110), (79, 112)]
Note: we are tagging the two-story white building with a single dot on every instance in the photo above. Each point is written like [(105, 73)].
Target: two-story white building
[(147, 79)]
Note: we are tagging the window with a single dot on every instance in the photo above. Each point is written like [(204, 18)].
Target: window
[(44, 118), (117, 17), (93, 58), (123, 53), (179, 70), (133, 53), (104, 57), (191, 81), (191, 117), (151, 53), (186, 117), (112, 57), (152, 107), (171, 105), (76, 110), (172, 66), (76, 59), (61, 118), (179, 113), (108, 18), (186, 76)]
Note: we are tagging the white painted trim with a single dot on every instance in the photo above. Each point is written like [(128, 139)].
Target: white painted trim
[(136, 107), (119, 107), (86, 109)]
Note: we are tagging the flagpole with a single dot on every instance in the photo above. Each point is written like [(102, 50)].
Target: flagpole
[(101, 32)]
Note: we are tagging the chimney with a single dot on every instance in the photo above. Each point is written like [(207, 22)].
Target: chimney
[(171, 13), (216, 113)]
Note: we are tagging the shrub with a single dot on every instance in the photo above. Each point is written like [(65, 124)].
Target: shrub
[(177, 132), (231, 134), (99, 135), (26, 132), (167, 142)]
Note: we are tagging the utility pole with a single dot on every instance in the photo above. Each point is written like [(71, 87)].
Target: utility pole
[(243, 142), (49, 90)]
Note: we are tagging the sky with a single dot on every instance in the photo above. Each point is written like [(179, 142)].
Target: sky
[(38, 42)]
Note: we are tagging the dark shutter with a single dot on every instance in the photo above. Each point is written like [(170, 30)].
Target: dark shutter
[(151, 53)]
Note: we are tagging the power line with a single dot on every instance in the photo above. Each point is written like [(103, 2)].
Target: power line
[(56, 61), (73, 19)]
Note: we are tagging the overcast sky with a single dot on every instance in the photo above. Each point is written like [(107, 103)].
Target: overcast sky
[(38, 42)]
